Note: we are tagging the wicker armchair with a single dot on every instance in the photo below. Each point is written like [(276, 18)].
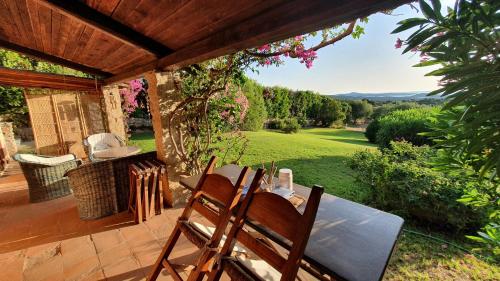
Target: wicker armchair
[(102, 188), (94, 188), (102, 141), (45, 175)]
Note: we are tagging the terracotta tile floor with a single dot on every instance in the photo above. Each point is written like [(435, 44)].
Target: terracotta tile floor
[(48, 241)]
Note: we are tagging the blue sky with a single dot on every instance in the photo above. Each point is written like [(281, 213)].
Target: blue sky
[(369, 64)]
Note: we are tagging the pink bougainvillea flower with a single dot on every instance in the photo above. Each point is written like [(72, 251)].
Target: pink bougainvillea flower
[(399, 43), (264, 48)]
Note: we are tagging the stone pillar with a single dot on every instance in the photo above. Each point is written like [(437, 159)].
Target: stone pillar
[(163, 97), (8, 134), (4, 153), (113, 110)]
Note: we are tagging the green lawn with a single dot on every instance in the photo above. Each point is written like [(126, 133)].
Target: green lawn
[(317, 156)]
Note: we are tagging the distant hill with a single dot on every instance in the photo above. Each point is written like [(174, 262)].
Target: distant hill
[(403, 96)]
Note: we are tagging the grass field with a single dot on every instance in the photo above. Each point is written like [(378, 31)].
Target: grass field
[(317, 156)]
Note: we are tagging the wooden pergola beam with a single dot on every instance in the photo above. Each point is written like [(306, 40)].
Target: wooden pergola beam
[(53, 59), (32, 79), (88, 16), (290, 19)]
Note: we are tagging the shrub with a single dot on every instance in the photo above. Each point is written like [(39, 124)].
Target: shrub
[(387, 108), (371, 131), (290, 125), (403, 182), (256, 114), (275, 124), (405, 125)]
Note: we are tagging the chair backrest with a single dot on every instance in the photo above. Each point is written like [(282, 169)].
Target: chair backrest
[(44, 160), (222, 196), (94, 189), (272, 214), (102, 141)]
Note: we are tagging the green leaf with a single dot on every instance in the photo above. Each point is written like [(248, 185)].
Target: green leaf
[(437, 5), (409, 23), (427, 63), (427, 10)]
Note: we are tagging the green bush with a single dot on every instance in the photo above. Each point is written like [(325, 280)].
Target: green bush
[(256, 114), (403, 182), (275, 124), (290, 125), (405, 125), (387, 108), (371, 131)]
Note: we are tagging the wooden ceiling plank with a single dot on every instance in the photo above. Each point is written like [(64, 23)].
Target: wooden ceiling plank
[(225, 15), (31, 79), (15, 16), (6, 23), (74, 37), (35, 24), (56, 34), (106, 7), (53, 59), (22, 8), (117, 53), (157, 14), (80, 11), (130, 60), (82, 42), (45, 23), (131, 73)]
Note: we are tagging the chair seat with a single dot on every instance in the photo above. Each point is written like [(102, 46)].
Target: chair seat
[(209, 231)]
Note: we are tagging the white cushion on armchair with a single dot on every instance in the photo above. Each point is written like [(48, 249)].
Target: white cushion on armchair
[(102, 141), (52, 161)]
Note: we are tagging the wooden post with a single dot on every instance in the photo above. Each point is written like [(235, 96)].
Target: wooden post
[(163, 97)]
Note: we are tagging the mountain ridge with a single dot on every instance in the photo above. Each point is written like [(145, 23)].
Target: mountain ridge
[(390, 96)]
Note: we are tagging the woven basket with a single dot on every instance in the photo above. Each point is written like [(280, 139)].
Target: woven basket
[(46, 182), (94, 189)]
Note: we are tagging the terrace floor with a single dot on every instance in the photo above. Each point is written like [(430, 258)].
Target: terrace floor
[(48, 241)]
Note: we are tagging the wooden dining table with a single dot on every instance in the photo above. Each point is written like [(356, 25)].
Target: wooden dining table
[(349, 241)]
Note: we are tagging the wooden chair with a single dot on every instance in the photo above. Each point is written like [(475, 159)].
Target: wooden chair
[(275, 216), (225, 196)]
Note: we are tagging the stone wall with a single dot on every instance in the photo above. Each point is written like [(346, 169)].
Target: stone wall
[(113, 111), (8, 134), (163, 99), (139, 123), (4, 154)]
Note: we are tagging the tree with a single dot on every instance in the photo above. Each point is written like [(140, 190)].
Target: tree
[(360, 109), (257, 114), (277, 102), (464, 43), (330, 111)]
